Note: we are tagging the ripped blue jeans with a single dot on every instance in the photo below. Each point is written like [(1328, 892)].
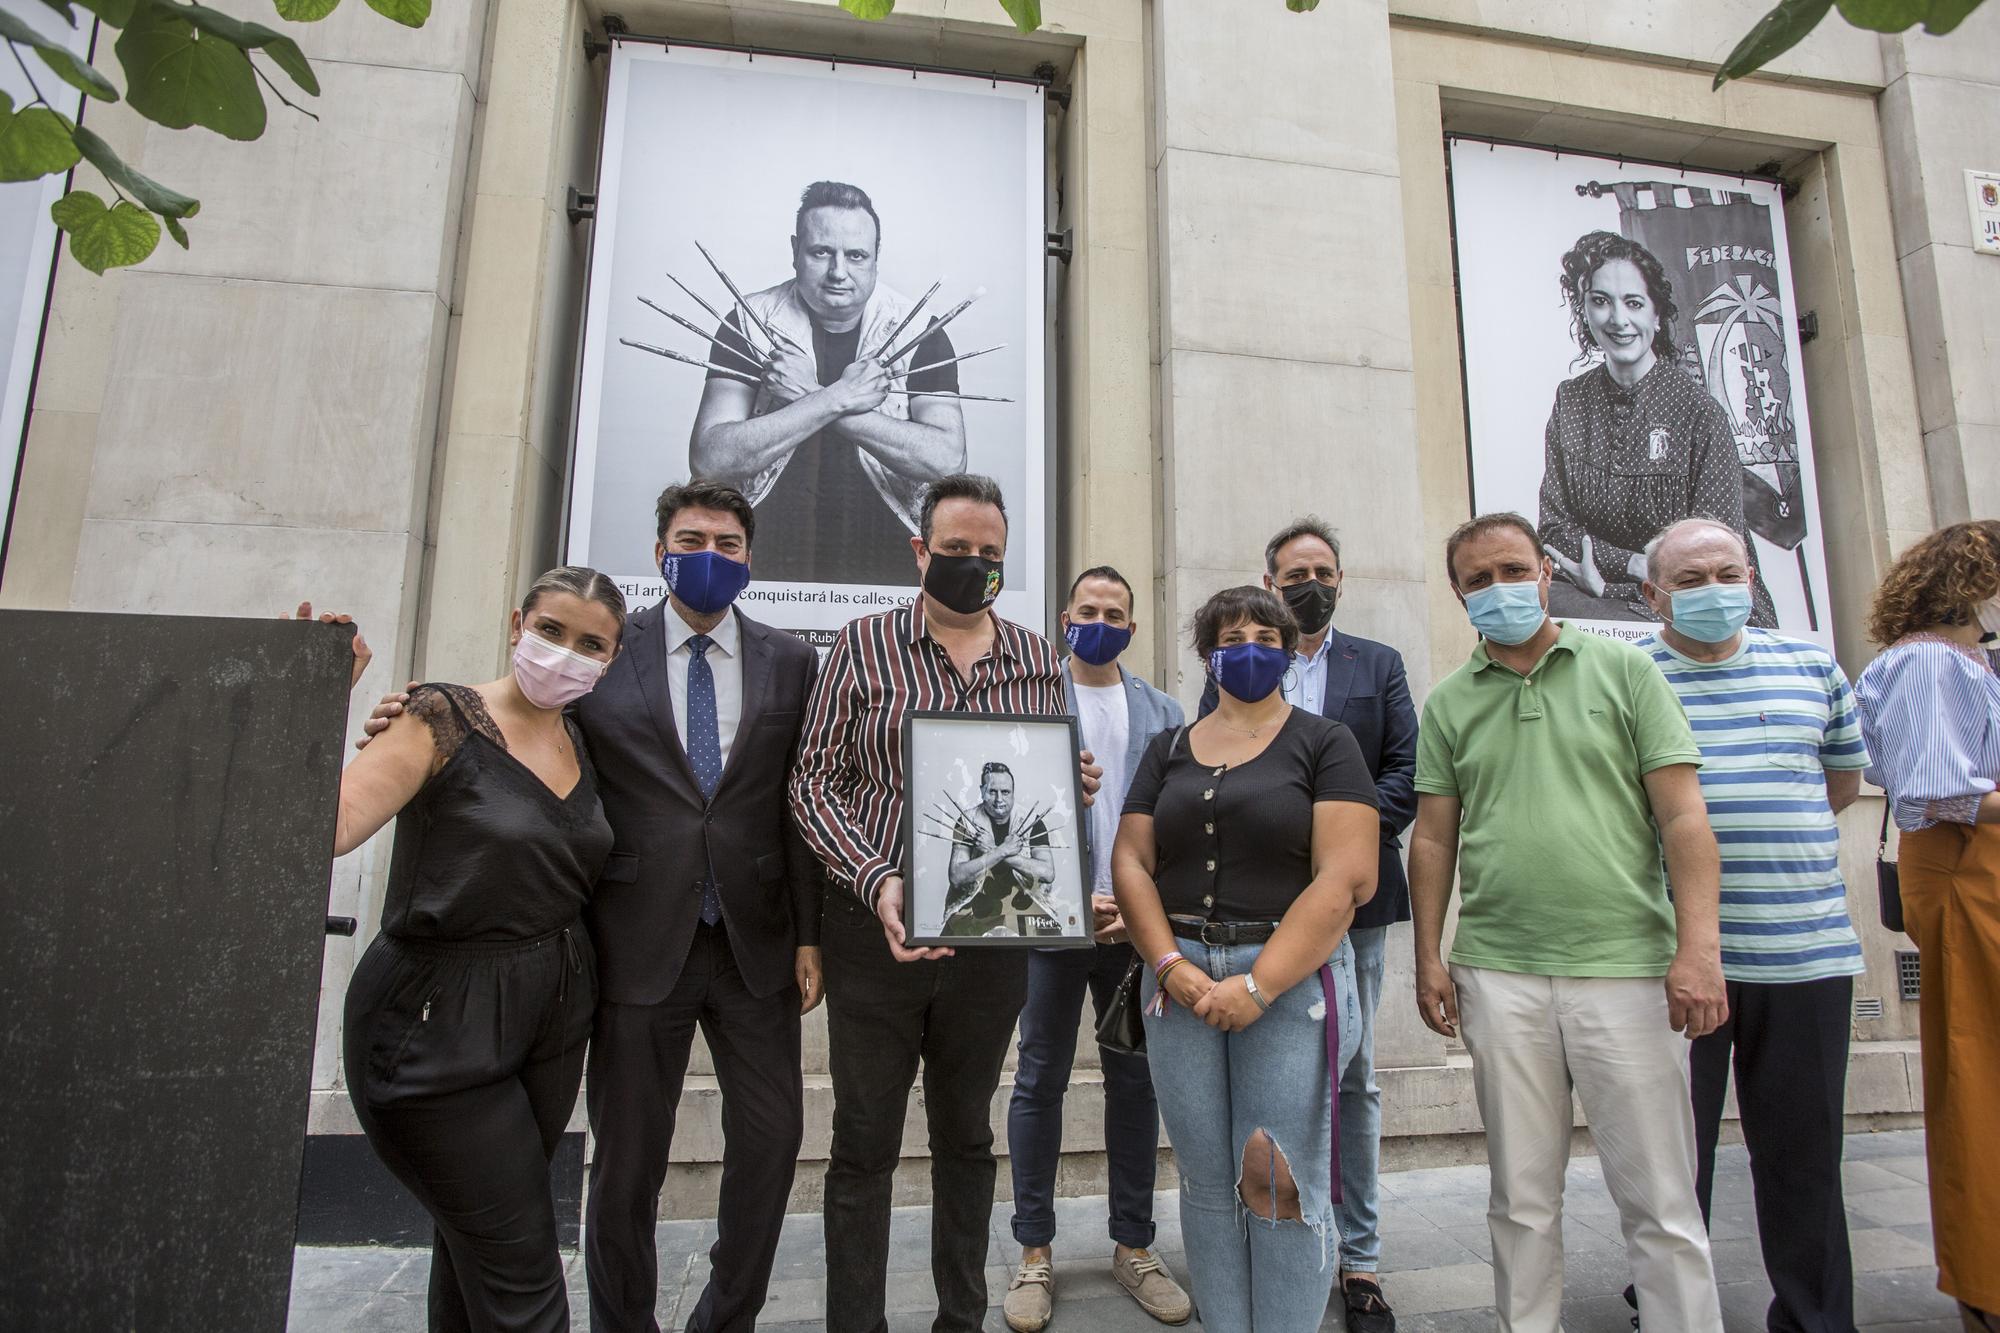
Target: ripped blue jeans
[(1251, 1272)]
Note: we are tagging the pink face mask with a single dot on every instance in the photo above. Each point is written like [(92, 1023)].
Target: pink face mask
[(551, 675)]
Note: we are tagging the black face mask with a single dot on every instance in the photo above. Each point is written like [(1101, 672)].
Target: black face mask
[(965, 583), (1311, 603)]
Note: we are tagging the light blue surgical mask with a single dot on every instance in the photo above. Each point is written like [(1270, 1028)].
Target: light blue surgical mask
[(1507, 613), (1713, 612)]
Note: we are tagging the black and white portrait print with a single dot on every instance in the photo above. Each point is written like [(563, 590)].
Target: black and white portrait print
[(994, 844), (822, 285), (1632, 359)]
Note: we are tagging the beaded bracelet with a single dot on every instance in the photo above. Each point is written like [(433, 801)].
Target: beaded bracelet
[(1168, 962)]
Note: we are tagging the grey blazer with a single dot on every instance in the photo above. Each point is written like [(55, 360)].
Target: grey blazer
[(1149, 712)]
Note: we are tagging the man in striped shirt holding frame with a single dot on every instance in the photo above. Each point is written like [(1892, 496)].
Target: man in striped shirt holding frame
[(890, 1005), (1781, 754)]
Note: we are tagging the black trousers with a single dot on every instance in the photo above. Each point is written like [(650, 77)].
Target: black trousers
[(956, 1015), (1788, 1043), (638, 1062), (463, 1063), (1057, 982)]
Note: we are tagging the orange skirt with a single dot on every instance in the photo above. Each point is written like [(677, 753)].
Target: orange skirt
[(1951, 904)]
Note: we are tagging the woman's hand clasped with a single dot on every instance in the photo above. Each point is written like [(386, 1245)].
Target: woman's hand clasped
[(1227, 1005), (1582, 571)]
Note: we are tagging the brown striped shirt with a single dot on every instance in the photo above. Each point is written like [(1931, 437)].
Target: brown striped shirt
[(847, 789)]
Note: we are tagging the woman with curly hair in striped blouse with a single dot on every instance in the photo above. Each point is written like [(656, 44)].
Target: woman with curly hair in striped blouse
[(1930, 713)]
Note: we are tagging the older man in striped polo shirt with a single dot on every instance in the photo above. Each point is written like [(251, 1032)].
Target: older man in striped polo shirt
[(1781, 753)]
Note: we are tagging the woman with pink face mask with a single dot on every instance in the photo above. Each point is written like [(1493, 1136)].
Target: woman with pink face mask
[(466, 1018)]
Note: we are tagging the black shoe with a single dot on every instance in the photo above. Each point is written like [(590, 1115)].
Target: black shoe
[(1632, 1299), (1367, 1311)]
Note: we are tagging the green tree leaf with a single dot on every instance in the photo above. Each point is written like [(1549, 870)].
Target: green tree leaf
[(409, 13), (1301, 6), (176, 230), (118, 13), (869, 9), (56, 56), (1947, 14), (306, 11), (101, 238), (1883, 15), (1776, 33), (62, 7), (177, 76), (284, 52), (167, 203), (34, 143), (1027, 14)]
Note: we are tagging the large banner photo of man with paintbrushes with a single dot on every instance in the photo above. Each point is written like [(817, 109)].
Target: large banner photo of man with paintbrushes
[(820, 284)]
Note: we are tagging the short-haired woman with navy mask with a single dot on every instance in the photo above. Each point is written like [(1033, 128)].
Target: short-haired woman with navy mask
[(1246, 843)]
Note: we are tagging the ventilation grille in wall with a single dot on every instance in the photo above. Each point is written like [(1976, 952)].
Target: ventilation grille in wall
[(1909, 974), (1868, 1006)]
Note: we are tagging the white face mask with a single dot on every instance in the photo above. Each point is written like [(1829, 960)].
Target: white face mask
[(1988, 612)]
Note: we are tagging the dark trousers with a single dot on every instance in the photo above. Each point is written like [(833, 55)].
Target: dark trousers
[(1057, 980), (1788, 1042), (638, 1061), (955, 1015), (463, 1065)]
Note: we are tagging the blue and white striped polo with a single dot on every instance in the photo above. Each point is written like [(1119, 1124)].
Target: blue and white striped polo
[(1769, 720)]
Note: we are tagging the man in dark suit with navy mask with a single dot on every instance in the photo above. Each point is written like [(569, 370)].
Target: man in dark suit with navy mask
[(1361, 684), (707, 914)]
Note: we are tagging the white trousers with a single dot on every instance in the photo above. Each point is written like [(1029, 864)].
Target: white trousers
[(1533, 1039)]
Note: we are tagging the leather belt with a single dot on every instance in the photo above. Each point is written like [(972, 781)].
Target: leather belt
[(1221, 934)]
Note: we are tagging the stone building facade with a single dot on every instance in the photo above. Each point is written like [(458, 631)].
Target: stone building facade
[(356, 386)]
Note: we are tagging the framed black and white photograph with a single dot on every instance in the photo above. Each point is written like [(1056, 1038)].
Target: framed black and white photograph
[(993, 852), (1631, 341), (822, 284)]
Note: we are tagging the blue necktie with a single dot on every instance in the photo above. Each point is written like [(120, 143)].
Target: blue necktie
[(704, 747)]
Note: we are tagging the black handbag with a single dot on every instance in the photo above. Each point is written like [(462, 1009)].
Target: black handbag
[(1888, 880), (1123, 1027)]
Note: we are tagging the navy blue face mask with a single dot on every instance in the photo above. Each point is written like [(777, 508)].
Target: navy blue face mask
[(1096, 642), (1249, 671), (705, 581)]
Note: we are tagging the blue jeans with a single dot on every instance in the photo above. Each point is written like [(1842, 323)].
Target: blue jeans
[(1251, 1273), (1361, 1114), (1057, 980)]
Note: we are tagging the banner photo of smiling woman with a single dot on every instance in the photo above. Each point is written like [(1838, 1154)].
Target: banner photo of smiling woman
[(1638, 325)]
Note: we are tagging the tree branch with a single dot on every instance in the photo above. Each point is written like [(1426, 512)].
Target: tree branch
[(275, 91), (14, 49)]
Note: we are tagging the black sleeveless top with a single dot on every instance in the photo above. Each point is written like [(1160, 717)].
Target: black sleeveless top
[(485, 851)]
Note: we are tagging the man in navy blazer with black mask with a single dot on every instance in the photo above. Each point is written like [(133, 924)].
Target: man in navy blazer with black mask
[(1362, 684)]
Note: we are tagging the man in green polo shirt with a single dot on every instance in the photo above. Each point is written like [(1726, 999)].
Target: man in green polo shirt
[(1552, 770)]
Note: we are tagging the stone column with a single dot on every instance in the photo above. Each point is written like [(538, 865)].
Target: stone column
[(1938, 117), (1284, 330)]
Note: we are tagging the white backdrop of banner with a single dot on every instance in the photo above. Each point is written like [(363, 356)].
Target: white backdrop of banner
[(1623, 469), (715, 147)]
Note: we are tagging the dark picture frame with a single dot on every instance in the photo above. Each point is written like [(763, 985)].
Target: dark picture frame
[(969, 778)]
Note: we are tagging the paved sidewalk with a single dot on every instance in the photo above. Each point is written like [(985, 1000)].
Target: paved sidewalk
[(1435, 1253)]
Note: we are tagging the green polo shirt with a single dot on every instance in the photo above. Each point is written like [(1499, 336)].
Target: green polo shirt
[(1558, 856)]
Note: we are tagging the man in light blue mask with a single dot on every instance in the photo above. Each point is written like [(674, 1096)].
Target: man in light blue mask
[(1553, 768), (1781, 754)]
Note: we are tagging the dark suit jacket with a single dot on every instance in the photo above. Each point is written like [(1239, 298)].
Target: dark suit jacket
[(648, 900), (1367, 689)]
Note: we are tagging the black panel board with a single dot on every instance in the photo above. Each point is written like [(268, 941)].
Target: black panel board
[(167, 803), (347, 1197)]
